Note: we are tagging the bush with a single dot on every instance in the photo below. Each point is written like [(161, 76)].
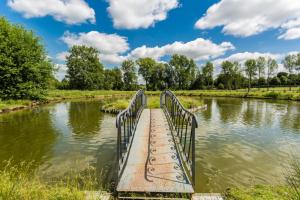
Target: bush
[(221, 86), (25, 71), (273, 95)]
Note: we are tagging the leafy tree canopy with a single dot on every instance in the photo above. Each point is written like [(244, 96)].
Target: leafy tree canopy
[(25, 70), (85, 72)]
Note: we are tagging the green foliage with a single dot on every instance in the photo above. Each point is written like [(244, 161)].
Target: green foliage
[(152, 72), (208, 72), (230, 76), (293, 178), (20, 182), (129, 75), (251, 70), (185, 71), (113, 79), (259, 192), (85, 72), (273, 95), (25, 71), (290, 62)]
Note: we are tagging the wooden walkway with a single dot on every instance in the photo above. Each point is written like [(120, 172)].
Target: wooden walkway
[(153, 163)]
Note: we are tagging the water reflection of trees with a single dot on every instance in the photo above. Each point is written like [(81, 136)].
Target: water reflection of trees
[(26, 136), (207, 112), (85, 117), (229, 109), (291, 118), (253, 112)]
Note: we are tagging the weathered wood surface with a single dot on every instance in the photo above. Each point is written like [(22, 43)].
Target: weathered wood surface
[(153, 163), (207, 196)]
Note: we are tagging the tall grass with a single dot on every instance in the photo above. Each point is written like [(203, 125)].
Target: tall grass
[(293, 179), (21, 182)]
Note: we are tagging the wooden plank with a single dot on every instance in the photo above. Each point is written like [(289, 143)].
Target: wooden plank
[(153, 163), (207, 196)]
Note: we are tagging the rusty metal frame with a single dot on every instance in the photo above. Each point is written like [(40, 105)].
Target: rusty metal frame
[(183, 123), (126, 123)]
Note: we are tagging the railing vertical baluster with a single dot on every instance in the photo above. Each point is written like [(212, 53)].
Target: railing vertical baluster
[(184, 123), (127, 121)]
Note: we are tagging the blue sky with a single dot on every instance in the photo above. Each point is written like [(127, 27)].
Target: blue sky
[(128, 29)]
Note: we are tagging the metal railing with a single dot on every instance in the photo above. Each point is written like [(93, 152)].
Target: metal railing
[(126, 123), (183, 124)]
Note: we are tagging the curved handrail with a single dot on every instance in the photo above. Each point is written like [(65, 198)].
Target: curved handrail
[(126, 123), (183, 123)]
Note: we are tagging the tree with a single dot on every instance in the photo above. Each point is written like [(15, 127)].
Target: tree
[(271, 69), (152, 72), (261, 65), (113, 79), (85, 72), (298, 62), (170, 77), (250, 69), (227, 75), (146, 69), (129, 75), (185, 70), (25, 70), (290, 62), (208, 73)]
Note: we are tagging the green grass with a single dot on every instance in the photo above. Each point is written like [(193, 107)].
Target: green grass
[(75, 94), (259, 93), (260, 192), (153, 101), (10, 104), (20, 182)]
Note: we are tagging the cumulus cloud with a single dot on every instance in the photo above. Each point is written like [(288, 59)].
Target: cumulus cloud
[(132, 14), (110, 46), (114, 49), (242, 57), (68, 11), (62, 56), (246, 18), (198, 49), (61, 71)]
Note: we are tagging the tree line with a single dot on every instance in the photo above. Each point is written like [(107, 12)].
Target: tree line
[(26, 72), (181, 73)]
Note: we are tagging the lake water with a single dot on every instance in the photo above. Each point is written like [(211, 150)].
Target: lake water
[(240, 142)]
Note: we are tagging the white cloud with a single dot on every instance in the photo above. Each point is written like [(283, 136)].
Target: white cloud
[(198, 49), (61, 71), (62, 56), (110, 46), (133, 14), (246, 18), (242, 57), (114, 49), (68, 11)]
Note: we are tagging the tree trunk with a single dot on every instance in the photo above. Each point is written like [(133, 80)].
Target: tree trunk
[(249, 84)]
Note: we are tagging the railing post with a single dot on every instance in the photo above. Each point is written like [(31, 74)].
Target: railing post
[(184, 123), (126, 124), (193, 151)]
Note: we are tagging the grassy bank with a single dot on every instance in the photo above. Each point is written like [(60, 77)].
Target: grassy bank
[(20, 182), (59, 95), (153, 101), (260, 192)]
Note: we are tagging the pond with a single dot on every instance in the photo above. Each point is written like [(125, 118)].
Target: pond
[(240, 142)]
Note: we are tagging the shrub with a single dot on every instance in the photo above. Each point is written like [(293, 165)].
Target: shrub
[(221, 86), (273, 95), (25, 71)]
